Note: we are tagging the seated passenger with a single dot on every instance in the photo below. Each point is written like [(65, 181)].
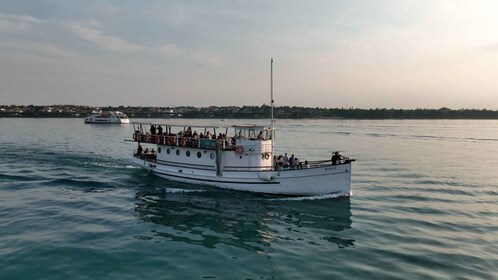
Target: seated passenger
[(291, 162), (297, 164), (260, 135)]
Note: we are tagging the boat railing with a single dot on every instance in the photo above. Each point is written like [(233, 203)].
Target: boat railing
[(149, 156), (229, 143)]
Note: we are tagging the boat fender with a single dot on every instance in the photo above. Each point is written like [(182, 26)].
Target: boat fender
[(156, 139), (147, 137), (239, 150), (265, 177)]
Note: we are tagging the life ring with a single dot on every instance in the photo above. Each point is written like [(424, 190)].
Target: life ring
[(267, 155), (155, 139), (147, 137), (183, 142), (137, 136), (170, 141), (239, 150)]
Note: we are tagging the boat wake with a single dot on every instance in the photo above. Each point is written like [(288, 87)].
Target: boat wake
[(177, 190), (313, 197)]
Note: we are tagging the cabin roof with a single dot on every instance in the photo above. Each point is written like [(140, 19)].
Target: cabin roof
[(237, 126)]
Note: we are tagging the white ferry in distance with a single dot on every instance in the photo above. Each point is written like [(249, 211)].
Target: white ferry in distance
[(109, 117), (238, 157)]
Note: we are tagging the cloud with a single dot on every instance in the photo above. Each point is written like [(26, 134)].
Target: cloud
[(15, 23), (171, 50), (105, 41), (205, 57), (50, 50), (492, 47)]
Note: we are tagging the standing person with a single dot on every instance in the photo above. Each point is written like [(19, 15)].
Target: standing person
[(152, 129), (285, 160), (159, 130), (336, 158), (139, 150)]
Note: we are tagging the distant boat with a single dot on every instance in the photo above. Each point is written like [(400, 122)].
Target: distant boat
[(109, 117), (238, 157)]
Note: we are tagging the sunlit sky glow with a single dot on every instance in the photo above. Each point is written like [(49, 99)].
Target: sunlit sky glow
[(363, 54)]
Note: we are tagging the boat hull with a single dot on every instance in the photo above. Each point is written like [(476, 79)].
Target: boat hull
[(325, 179)]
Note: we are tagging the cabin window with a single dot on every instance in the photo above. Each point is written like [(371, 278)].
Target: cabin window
[(199, 154), (159, 150), (177, 152), (187, 153), (211, 155), (252, 134), (168, 151)]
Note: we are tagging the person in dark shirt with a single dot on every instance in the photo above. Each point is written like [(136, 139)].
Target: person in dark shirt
[(336, 158), (139, 150)]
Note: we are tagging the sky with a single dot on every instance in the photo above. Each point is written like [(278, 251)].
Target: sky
[(358, 53)]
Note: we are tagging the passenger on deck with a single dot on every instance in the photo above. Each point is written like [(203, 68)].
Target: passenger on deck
[(139, 150), (159, 130), (280, 161), (260, 135), (152, 129), (306, 164), (296, 164), (291, 162), (336, 158), (285, 160)]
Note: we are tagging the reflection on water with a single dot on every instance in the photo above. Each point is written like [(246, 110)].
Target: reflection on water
[(251, 222)]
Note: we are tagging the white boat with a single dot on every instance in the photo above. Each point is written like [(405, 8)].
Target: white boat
[(109, 117), (238, 157)]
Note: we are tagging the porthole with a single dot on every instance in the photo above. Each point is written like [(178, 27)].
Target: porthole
[(159, 149), (199, 154), (168, 151), (187, 153), (177, 152), (211, 155)]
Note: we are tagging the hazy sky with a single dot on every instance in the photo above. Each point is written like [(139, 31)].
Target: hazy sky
[(364, 54)]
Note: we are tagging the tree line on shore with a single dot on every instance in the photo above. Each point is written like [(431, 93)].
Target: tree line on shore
[(246, 112)]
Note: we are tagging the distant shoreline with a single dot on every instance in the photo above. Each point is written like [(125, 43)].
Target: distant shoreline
[(245, 112)]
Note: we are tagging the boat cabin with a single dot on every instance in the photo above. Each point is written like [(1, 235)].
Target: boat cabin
[(246, 147)]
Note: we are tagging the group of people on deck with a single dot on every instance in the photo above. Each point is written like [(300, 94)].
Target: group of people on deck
[(286, 162), (292, 162), (146, 154), (156, 134)]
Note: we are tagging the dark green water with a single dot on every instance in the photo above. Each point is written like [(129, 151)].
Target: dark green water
[(425, 206)]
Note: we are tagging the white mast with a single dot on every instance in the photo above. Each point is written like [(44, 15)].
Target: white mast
[(271, 92)]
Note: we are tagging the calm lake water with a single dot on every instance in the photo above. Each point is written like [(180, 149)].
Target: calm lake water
[(425, 206)]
